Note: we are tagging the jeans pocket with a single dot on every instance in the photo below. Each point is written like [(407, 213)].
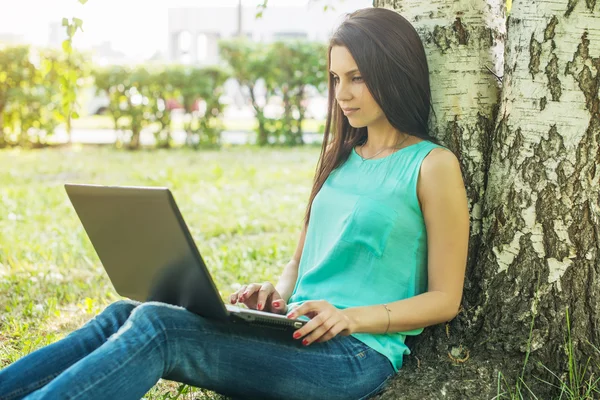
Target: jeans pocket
[(379, 388)]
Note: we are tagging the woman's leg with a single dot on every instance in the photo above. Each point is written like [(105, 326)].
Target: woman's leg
[(41, 366), (163, 341)]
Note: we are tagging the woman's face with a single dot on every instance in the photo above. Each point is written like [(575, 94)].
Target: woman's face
[(351, 92)]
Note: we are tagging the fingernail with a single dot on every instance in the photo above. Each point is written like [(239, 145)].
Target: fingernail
[(305, 342), (296, 335), (260, 306), (291, 316), (276, 303)]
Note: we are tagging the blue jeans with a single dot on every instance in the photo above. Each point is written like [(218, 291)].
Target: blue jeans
[(127, 348)]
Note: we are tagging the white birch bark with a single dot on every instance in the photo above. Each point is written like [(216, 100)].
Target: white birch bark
[(541, 223)]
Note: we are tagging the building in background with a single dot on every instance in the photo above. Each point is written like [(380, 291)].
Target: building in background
[(9, 39), (193, 33)]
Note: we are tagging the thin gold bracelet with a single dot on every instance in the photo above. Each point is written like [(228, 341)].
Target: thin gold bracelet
[(388, 314)]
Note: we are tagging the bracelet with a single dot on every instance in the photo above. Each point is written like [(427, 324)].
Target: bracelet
[(388, 314)]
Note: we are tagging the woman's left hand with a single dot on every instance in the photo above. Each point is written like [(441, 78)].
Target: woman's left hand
[(326, 322)]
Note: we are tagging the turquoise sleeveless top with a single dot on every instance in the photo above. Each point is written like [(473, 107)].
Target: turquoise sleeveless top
[(366, 242)]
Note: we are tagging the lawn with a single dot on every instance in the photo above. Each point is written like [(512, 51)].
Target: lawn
[(244, 207)]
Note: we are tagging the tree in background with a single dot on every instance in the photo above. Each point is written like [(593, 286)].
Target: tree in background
[(138, 109), (252, 64), (16, 72), (73, 69), (195, 87), (109, 82), (161, 92), (298, 65), (35, 96), (211, 81), (286, 69)]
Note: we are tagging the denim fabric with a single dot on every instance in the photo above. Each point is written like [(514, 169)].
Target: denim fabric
[(126, 349)]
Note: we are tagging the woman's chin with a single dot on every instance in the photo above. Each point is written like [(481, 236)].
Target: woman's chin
[(355, 123)]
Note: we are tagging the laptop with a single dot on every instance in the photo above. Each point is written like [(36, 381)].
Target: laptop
[(149, 254)]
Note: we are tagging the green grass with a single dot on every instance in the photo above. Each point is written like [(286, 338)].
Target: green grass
[(244, 207), (105, 122), (582, 381)]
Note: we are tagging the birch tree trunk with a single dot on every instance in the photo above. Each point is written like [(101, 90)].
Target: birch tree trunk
[(542, 206), (530, 156)]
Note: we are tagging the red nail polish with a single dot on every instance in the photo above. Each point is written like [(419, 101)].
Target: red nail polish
[(296, 335), (305, 342), (276, 303), (260, 306)]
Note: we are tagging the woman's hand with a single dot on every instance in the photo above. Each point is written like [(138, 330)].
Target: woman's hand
[(326, 322), (260, 296)]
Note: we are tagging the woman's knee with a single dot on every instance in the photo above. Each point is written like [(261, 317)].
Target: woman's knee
[(160, 316), (154, 311), (120, 310)]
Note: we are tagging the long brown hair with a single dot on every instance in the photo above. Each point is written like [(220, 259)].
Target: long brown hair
[(391, 59)]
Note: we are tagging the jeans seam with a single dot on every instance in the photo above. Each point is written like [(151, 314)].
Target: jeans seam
[(124, 362), (38, 385), (379, 388)]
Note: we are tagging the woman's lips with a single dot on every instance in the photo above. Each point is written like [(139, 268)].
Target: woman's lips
[(348, 111)]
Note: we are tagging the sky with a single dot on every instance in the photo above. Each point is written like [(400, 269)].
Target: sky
[(135, 27)]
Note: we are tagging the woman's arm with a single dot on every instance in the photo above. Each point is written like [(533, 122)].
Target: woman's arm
[(287, 281), (443, 200), (416, 312)]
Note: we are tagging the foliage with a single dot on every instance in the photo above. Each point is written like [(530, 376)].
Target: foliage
[(139, 97), (287, 69), (200, 86), (107, 81), (16, 71), (135, 98), (161, 90), (252, 65), (73, 68), (299, 65), (34, 98)]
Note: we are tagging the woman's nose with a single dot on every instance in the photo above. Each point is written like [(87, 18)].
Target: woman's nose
[(342, 93)]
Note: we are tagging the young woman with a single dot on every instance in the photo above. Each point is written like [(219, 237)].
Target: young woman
[(382, 255)]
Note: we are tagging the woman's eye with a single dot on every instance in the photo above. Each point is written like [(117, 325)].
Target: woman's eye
[(357, 79)]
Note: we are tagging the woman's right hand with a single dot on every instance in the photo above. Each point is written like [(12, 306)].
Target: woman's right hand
[(260, 296)]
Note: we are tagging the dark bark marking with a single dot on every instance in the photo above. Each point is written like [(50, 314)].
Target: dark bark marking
[(453, 135), (543, 102), (462, 33), (549, 31), (553, 81), (535, 50), (548, 206), (590, 4), (570, 7), (517, 145), (487, 125), (588, 83), (440, 39)]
